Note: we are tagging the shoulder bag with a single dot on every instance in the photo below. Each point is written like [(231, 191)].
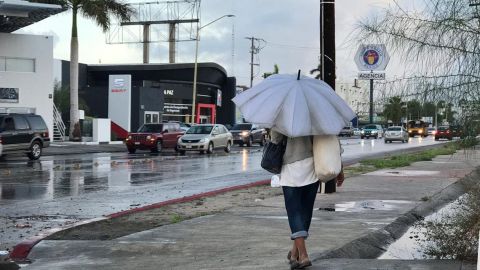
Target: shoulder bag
[(272, 158)]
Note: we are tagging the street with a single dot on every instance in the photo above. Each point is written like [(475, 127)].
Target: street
[(60, 190)]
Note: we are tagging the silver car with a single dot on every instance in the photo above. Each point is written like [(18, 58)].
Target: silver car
[(205, 138), (396, 133)]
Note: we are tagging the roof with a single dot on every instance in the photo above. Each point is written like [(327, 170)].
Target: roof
[(16, 14)]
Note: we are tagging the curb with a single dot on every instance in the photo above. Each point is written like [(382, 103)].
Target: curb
[(21, 251), (373, 244)]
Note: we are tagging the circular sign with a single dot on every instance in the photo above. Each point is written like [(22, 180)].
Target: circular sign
[(372, 57)]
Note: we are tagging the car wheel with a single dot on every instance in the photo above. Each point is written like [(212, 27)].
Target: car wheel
[(228, 148), (210, 148), (202, 152), (131, 150), (35, 151), (376, 137), (386, 141), (362, 137), (250, 141), (158, 147), (182, 152), (241, 144)]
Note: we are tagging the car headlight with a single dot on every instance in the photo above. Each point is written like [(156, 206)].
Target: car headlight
[(204, 140), (420, 131), (244, 133), (363, 132), (129, 137), (149, 137), (374, 131)]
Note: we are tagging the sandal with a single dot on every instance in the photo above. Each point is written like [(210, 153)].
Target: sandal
[(289, 258), (301, 265)]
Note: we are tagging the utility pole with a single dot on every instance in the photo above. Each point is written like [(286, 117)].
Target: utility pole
[(327, 56), (254, 49)]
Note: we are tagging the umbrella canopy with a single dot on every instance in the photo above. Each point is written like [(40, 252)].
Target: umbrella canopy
[(295, 106)]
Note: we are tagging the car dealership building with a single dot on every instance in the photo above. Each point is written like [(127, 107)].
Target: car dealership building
[(134, 94)]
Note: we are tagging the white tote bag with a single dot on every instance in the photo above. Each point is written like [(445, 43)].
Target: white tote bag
[(327, 157)]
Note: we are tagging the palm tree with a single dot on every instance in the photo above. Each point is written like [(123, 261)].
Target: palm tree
[(100, 11), (393, 109)]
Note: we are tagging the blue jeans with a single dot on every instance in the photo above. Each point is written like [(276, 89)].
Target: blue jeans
[(299, 204)]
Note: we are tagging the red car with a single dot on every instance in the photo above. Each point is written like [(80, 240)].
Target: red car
[(154, 137), (443, 132)]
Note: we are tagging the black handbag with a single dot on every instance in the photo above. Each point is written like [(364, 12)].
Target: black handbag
[(272, 158)]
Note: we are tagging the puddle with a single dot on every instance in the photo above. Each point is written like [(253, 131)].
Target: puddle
[(406, 247), (360, 206), (403, 173)]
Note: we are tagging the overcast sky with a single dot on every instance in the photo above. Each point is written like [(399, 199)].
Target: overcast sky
[(290, 28)]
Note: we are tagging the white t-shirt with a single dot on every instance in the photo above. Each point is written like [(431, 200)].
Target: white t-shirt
[(298, 174)]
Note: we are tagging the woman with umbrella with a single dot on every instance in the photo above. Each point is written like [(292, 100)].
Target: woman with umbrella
[(295, 109)]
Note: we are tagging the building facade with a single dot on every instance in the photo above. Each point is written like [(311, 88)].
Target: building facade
[(26, 74), (131, 95)]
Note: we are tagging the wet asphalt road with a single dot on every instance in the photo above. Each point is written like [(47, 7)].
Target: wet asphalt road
[(59, 190)]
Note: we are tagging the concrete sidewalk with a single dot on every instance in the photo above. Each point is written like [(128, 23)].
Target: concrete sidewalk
[(349, 229)]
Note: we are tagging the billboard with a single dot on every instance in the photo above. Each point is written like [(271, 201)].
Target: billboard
[(120, 100)]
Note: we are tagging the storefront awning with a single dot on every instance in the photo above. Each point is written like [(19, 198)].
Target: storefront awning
[(16, 14)]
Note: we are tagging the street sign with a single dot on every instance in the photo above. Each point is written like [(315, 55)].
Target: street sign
[(372, 57), (371, 76)]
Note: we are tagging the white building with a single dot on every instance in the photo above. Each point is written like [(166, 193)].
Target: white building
[(26, 61)]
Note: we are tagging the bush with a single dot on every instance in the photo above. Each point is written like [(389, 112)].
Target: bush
[(454, 235)]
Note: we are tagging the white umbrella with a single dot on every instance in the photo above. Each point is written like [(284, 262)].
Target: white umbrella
[(295, 106)]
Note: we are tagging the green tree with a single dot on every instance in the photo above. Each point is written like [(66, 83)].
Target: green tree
[(100, 11), (275, 71), (393, 110), (414, 110)]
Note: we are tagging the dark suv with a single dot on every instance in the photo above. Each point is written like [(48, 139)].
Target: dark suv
[(23, 133), (248, 134), (154, 137)]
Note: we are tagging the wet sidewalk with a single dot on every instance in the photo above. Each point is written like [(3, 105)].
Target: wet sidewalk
[(349, 229)]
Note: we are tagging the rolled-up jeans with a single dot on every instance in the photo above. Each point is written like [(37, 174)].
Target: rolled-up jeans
[(299, 204)]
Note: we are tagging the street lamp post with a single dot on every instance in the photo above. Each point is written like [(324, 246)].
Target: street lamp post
[(195, 68)]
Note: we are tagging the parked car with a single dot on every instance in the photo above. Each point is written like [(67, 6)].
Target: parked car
[(248, 134), (372, 131), (23, 133), (183, 126), (154, 137), (443, 132), (346, 131), (396, 133), (357, 132), (205, 138)]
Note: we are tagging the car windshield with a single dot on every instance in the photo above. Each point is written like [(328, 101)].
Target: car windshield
[(431, 128), (370, 127), (347, 128), (443, 128), (150, 128), (394, 129), (200, 130), (242, 127)]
